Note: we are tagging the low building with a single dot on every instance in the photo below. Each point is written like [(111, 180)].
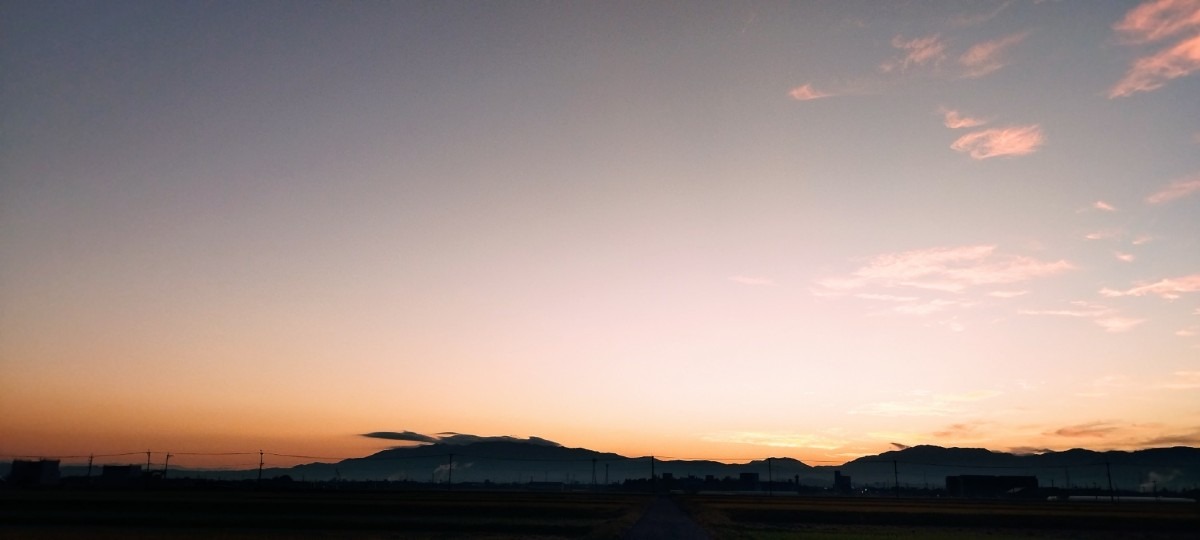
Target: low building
[(985, 486), (28, 473), (841, 482)]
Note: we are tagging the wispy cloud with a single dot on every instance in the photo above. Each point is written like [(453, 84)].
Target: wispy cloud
[(1102, 235), (996, 142), (955, 120), (984, 58), (777, 439), (1118, 324), (1103, 206), (1176, 190), (1007, 294), (807, 92), (1090, 429), (1143, 239), (951, 269), (1159, 19), (972, 19), (1170, 288), (1122, 256), (917, 52), (1103, 316), (933, 306), (1153, 21), (1153, 72), (927, 405), (752, 280), (1104, 386), (886, 297), (1183, 380)]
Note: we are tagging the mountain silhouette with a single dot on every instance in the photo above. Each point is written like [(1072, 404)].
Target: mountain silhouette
[(506, 461)]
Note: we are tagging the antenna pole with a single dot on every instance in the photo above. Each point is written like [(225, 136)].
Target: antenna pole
[(896, 477), (1112, 494)]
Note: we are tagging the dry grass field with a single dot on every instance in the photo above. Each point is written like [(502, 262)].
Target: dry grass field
[(315, 515), (739, 517)]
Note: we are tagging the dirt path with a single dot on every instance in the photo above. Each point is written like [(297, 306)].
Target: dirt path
[(664, 519)]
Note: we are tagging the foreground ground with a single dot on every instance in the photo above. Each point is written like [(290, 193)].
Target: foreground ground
[(741, 517), (494, 514)]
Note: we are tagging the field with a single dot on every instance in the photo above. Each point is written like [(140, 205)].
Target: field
[(739, 517), (329, 514), (312, 515)]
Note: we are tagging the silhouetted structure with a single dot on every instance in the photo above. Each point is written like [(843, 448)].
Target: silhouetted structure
[(120, 475), (841, 482), (983, 486), (28, 473)]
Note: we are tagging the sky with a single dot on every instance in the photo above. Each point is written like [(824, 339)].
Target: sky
[(723, 230)]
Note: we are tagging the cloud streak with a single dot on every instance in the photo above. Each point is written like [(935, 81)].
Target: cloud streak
[(1103, 316), (807, 92), (1154, 21), (1176, 190), (918, 52), (987, 57), (752, 280), (997, 142), (956, 120), (1159, 19), (1170, 288), (950, 269)]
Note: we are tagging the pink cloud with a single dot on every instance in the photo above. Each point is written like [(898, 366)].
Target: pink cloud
[(1102, 235), (1121, 256), (1101, 205), (1103, 316), (1008, 141), (956, 120), (807, 92), (973, 19), (1118, 324), (1176, 190), (1169, 289), (918, 52), (927, 308), (1152, 72), (950, 269), (1007, 294), (1159, 19), (750, 280), (1143, 239), (986, 57), (1184, 380)]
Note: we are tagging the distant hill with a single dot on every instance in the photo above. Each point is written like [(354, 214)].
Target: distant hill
[(508, 461)]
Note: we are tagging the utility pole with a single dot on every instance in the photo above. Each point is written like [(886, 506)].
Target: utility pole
[(260, 464), (90, 458), (653, 479), (770, 478), (1112, 494), (896, 477), (147, 462), (166, 462)]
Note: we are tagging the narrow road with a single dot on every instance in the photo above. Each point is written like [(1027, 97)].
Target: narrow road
[(664, 519)]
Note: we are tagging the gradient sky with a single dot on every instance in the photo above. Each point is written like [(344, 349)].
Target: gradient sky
[(717, 230)]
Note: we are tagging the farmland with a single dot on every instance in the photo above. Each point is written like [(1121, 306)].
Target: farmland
[(495, 514), (249, 514), (832, 518)]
